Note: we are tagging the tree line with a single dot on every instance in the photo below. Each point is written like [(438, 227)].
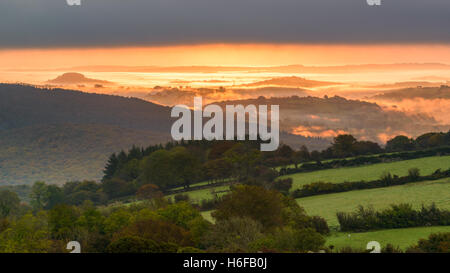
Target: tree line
[(184, 163)]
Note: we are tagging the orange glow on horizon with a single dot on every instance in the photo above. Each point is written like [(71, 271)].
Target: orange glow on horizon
[(224, 55)]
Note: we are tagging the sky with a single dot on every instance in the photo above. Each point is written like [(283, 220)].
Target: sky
[(51, 34), (107, 23)]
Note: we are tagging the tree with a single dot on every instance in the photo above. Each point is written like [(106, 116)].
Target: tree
[(343, 145), (91, 219), (291, 240), (62, 222), (185, 164), (149, 191), (366, 147), (132, 244), (283, 185), (218, 149), (53, 196), (400, 143), (301, 156), (159, 231), (217, 169), (257, 203), (315, 156), (285, 151), (117, 220), (111, 167), (243, 159), (9, 203), (116, 187), (435, 243), (180, 213), (156, 169), (430, 140), (29, 234), (38, 195), (129, 171), (232, 235)]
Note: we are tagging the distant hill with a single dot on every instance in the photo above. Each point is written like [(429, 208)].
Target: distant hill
[(75, 78), (282, 69), (442, 92), (23, 105), (64, 152), (329, 116), (291, 82), (59, 135), (174, 96)]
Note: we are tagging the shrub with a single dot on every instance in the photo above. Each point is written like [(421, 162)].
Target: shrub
[(396, 216), (232, 235), (435, 243), (132, 244), (290, 240), (257, 203), (389, 248), (149, 191), (414, 173), (181, 197), (282, 185), (320, 225)]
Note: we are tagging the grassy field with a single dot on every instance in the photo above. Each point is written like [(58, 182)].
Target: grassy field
[(402, 238), (207, 215), (427, 165), (415, 193)]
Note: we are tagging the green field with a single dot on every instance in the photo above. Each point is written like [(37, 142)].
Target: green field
[(427, 165), (415, 193), (207, 215), (402, 238)]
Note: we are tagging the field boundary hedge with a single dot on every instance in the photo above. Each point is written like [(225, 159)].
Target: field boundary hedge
[(365, 160), (319, 188), (396, 216)]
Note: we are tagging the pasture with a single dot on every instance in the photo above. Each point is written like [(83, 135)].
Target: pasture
[(415, 193), (426, 165), (402, 238)]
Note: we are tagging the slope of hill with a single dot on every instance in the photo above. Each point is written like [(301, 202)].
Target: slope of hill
[(292, 81), (64, 152), (279, 69), (62, 135), (22, 105), (441, 92), (75, 78)]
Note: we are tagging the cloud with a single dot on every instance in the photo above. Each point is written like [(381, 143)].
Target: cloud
[(316, 131), (52, 23)]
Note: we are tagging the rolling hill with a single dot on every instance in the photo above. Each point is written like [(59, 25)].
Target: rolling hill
[(58, 135)]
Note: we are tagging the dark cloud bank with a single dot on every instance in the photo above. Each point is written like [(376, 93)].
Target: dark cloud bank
[(52, 23)]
